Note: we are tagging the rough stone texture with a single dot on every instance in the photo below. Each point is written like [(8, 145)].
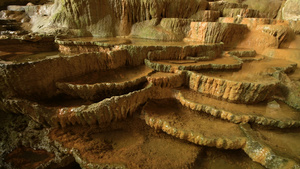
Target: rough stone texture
[(281, 33), (241, 113), (252, 23), (243, 53), (153, 50), (221, 5), (169, 80), (88, 100), (114, 108), (290, 10), (119, 15), (225, 62), (214, 32), (240, 12), (126, 144), (260, 152), (295, 25), (268, 36), (19, 131), (266, 8), (157, 115), (167, 29), (45, 87), (206, 16), (232, 91)]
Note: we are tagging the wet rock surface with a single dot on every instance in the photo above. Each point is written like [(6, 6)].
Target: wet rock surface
[(148, 84)]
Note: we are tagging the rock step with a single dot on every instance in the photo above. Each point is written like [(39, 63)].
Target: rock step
[(263, 80), (206, 15), (216, 32), (63, 113), (230, 89), (225, 62), (21, 57), (169, 116), (252, 22), (58, 115), (167, 80), (125, 144), (99, 85), (242, 52), (240, 12), (151, 49), (275, 113), (273, 148), (255, 58), (29, 71), (281, 33), (247, 55)]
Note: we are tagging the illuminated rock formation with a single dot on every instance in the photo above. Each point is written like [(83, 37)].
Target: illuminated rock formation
[(150, 84)]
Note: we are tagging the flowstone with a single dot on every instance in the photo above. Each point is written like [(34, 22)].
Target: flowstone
[(147, 84)]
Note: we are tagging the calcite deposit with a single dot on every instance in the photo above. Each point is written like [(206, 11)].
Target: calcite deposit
[(149, 84)]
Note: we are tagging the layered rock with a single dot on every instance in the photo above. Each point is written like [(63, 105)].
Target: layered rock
[(131, 48), (118, 15), (127, 144), (281, 33), (80, 112), (270, 114), (106, 84), (269, 152), (168, 116), (214, 32), (240, 12), (242, 53), (167, 29), (169, 80), (206, 15), (232, 91), (226, 62), (96, 94), (27, 43), (47, 68)]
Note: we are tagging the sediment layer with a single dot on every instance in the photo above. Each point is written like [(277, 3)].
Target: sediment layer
[(215, 32), (106, 84), (37, 79), (232, 91), (167, 115), (268, 114), (127, 144), (225, 62)]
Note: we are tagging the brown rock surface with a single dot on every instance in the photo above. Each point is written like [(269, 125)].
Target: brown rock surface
[(290, 10), (150, 84), (170, 117), (214, 32), (127, 144)]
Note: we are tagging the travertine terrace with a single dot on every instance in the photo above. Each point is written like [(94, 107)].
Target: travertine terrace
[(150, 84)]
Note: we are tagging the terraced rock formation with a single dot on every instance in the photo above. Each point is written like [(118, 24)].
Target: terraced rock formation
[(147, 84)]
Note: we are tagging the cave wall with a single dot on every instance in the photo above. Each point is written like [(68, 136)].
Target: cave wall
[(113, 17)]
